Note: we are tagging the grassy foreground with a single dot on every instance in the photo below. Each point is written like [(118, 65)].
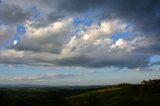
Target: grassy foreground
[(145, 94)]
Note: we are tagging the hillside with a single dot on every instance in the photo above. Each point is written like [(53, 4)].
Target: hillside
[(145, 94)]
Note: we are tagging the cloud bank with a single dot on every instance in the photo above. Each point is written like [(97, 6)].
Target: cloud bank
[(80, 33)]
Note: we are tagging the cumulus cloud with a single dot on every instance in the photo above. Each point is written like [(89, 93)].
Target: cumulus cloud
[(93, 47), (51, 40)]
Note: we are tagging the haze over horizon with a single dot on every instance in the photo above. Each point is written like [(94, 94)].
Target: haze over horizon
[(79, 42)]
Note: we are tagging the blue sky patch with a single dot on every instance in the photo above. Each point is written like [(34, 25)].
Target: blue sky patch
[(124, 35)]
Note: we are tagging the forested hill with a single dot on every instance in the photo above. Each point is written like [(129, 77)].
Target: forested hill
[(145, 94)]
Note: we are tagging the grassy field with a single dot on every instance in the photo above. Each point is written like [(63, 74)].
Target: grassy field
[(145, 94)]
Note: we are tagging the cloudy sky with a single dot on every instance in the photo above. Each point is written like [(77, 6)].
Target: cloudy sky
[(79, 42)]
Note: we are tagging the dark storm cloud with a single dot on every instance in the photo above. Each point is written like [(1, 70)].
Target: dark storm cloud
[(54, 16), (153, 47), (11, 14), (144, 15)]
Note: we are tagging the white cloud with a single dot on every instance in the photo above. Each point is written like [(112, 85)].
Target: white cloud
[(11, 53), (94, 39), (120, 43), (55, 27), (53, 46), (15, 42), (50, 38)]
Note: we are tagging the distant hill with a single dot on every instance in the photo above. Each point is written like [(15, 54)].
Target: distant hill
[(145, 94)]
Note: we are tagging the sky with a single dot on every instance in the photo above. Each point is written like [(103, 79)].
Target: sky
[(79, 42)]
